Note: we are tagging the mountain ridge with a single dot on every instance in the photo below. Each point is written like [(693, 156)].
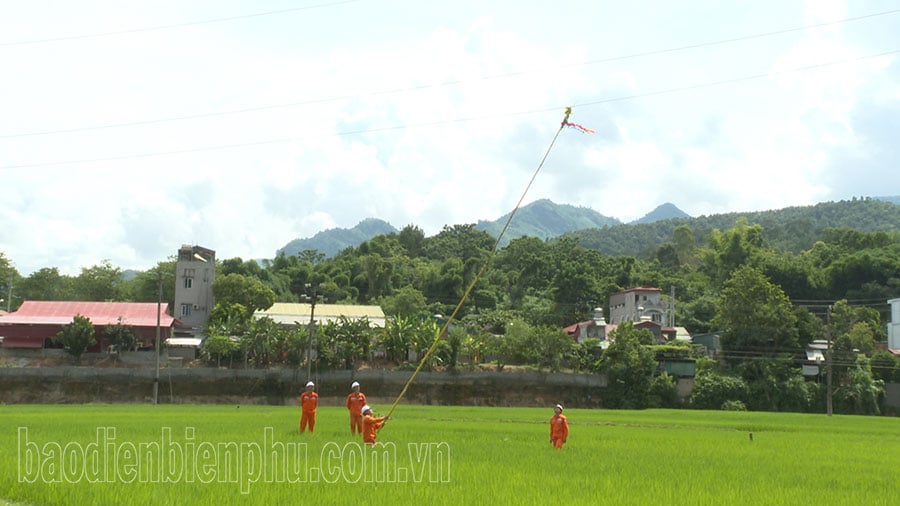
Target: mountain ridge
[(546, 220)]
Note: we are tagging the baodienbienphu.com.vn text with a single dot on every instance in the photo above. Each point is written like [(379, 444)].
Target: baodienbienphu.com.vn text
[(185, 457)]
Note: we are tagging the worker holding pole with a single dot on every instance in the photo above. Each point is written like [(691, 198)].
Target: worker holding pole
[(371, 425)]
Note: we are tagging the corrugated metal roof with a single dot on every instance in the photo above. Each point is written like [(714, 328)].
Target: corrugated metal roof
[(301, 309), (136, 314), (640, 289), (290, 313)]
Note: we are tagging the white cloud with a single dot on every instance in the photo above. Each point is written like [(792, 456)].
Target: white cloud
[(432, 118)]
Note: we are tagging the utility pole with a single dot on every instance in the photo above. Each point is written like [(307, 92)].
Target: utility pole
[(828, 359), (672, 306), (312, 293), (9, 293), (158, 310)]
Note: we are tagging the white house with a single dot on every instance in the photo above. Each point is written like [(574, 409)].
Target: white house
[(893, 327), (636, 305), (195, 272)]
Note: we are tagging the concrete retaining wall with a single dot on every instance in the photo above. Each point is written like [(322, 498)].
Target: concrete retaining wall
[(68, 384)]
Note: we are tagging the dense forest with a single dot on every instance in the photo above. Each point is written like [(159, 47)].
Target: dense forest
[(767, 288)]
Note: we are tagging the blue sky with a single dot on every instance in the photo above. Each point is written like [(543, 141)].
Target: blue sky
[(130, 128)]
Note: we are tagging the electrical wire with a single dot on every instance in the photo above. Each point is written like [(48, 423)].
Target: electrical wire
[(411, 88), (175, 25), (442, 122)]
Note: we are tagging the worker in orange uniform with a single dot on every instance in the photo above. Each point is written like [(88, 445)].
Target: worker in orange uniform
[(370, 425), (309, 400), (355, 402), (559, 428)]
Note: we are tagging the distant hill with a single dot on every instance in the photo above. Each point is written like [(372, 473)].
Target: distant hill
[(789, 229), (544, 219), (663, 212), (332, 241)]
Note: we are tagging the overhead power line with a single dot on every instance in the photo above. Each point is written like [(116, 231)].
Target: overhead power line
[(172, 25), (393, 91), (446, 122)]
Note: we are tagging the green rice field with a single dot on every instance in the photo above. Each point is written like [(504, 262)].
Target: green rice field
[(218, 454)]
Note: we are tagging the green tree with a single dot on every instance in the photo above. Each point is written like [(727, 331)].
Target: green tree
[(344, 342), (229, 319), (517, 344), (629, 367), (261, 342), (585, 354), (662, 392), (755, 316), (45, 284), (250, 293), (376, 271), (218, 347), (77, 336), (145, 286), (713, 390), (10, 280), (685, 244), (553, 346), (773, 384), (397, 336), (120, 336), (99, 283), (860, 393), (527, 267), (462, 242), (424, 337), (885, 366), (457, 336), (847, 319), (412, 238)]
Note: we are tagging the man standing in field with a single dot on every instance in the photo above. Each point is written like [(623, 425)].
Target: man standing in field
[(309, 400), (370, 425), (355, 402), (559, 428)]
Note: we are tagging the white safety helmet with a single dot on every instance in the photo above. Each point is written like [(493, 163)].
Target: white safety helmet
[(355, 384), (364, 409)]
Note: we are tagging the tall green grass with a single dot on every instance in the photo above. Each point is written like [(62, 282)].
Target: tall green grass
[(496, 456)]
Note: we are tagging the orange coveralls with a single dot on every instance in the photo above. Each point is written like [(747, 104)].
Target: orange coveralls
[(370, 425), (308, 403), (559, 430), (355, 402)]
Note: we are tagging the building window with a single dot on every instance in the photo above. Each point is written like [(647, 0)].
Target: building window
[(185, 310), (188, 282)]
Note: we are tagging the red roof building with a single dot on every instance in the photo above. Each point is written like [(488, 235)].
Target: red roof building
[(36, 323)]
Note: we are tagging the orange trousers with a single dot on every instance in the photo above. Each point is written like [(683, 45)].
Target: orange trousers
[(307, 418), (355, 424)]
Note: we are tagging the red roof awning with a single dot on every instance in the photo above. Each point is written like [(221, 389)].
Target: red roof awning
[(135, 314)]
